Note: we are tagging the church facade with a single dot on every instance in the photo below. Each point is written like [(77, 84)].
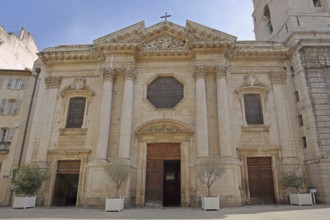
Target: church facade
[(162, 98)]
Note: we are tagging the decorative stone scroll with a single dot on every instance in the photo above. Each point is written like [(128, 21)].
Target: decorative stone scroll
[(53, 81), (77, 88), (165, 43)]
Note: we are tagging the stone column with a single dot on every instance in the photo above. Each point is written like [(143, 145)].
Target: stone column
[(283, 120), (45, 133), (223, 112), (126, 114), (201, 112), (105, 115)]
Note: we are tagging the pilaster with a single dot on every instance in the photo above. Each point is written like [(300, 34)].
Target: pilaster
[(105, 114), (223, 112), (127, 113), (201, 112)]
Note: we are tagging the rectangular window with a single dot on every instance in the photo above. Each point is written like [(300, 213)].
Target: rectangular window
[(1, 81), (9, 106), (76, 112), (16, 83), (304, 142), (253, 109), (296, 94), (300, 119), (317, 3)]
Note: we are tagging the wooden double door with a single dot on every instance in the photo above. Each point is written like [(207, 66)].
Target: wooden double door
[(261, 184), (163, 175)]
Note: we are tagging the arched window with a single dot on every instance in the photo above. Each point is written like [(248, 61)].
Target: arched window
[(268, 19), (76, 112)]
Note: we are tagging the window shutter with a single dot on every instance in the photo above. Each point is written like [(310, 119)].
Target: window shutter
[(10, 134), (1, 133), (3, 105), (16, 107), (9, 109), (1, 81), (11, 83), (23, 82)]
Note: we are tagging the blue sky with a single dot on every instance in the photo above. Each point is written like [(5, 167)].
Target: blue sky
[(61, 22)]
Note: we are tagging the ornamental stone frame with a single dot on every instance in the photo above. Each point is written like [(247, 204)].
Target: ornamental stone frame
[(164, 131), (252, 85)]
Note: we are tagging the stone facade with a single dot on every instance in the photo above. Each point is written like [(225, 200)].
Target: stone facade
[(119, 122)]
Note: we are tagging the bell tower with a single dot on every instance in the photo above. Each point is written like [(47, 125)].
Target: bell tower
[(289, 20), (304, 25)]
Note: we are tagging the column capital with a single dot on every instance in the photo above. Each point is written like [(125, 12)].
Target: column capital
[(53, 81), (200, 71), (130, 73), (221, 71), (109, 74), (277, 77)]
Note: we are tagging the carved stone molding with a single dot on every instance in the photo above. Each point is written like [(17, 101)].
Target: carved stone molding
[(53, 81), (109, 74), (79, 83), (78, 87), (130, 73), (278, 77), (251, 79), (73, 131), (200, 71), (165, 43)]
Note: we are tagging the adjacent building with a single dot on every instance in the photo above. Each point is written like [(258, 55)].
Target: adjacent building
[(17, 56)]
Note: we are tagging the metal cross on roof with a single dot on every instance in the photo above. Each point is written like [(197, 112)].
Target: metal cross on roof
[(166, 16)]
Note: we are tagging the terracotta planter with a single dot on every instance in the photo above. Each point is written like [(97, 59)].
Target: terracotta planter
[(210, 203), (114, 204), (301, 199), (24, 202)]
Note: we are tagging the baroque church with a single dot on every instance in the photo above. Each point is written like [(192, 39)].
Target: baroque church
[(161, 98)]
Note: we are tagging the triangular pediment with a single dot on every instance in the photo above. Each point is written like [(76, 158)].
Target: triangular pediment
[(201, 33), (165, 35), (130, 34)]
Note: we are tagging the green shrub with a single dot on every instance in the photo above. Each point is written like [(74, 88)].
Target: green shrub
[(28, 179)]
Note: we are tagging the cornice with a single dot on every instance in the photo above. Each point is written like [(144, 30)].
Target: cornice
[(59, 56), (260, 50)]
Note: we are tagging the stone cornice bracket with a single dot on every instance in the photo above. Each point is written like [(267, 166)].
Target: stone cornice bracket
[(109, 74), (130, 72), (278, 77), (200, 71), (53, 81), (221, 71)]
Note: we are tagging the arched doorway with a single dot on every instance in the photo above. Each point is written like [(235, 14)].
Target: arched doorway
[(164, 148)]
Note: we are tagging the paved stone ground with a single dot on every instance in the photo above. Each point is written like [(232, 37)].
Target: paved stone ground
[(270, 212)]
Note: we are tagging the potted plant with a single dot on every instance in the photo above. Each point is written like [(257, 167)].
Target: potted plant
[(27, 181), (209, 170), (297, 180), (119, 172)]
